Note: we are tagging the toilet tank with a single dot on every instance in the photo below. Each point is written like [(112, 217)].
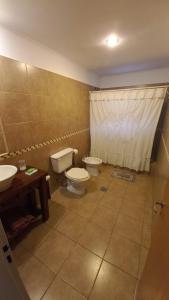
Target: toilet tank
[(62, 160)]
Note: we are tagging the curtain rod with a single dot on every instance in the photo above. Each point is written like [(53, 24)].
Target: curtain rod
[(129, 89)]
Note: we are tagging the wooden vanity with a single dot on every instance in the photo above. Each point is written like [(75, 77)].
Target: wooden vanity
[(18, 204)]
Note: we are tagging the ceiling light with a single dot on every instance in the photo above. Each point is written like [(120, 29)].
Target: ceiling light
[(112, 41)]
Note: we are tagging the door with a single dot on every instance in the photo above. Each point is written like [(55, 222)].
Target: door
[(11, 286), (154, 284)]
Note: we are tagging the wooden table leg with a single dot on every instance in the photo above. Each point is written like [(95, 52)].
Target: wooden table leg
[(43, 195), (32, 202)]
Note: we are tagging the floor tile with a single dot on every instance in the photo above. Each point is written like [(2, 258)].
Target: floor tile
[(72, 225), (60, 290), (143, 258), (124, 254), (90, 221), (54, 250), (133, 210), (35, 237), (95, 238), (104, 217), (56, 213), (80, 270), (112, 201), (93, 188), (113, 284), (75, 204), (94, 197), (148, 217), (149, 201), (36, 278), (63, 197), (129, 228), (134, 198), (20, 255), (117, 185), (135, 191), (146, 236), (86, 208), (106, 170), (102, 181)]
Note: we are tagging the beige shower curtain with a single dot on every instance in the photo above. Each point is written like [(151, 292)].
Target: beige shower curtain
[(123, 124)]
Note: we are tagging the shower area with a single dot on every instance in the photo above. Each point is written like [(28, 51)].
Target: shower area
[(123, 125)]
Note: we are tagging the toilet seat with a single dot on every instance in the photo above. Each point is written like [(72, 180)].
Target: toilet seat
[(77, 174)]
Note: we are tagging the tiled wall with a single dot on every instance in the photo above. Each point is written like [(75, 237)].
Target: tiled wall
[(160, 169), (41, 112)]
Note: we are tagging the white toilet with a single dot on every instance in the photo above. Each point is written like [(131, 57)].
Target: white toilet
[(92, 165), (76, 177)]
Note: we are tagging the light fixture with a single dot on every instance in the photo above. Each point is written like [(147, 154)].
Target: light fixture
[(112, 41)]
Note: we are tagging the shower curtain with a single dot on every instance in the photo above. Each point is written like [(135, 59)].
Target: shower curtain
[(123, 125)]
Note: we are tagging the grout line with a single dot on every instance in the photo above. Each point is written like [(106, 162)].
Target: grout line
[(122, 270), (39, 244), (103, 255), (139, 244), (132, 241), (91, 290), (37, 258), (76, 243), (79, 292), (113, 229), (140, 250), (18, 123), (86, 224), (136, 288), (84, 247), (57, 273)]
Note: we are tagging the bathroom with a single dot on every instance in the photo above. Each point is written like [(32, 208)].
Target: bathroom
[(97, 239)]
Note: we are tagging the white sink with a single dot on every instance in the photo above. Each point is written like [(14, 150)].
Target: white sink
[(7, 173)]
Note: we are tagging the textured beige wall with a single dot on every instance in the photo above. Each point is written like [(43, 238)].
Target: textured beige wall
[(160, 169), (37, 106)]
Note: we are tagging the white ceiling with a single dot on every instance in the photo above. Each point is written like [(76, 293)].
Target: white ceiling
[(77, 29)]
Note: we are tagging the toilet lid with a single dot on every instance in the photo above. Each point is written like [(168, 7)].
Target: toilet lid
[(77, 174)]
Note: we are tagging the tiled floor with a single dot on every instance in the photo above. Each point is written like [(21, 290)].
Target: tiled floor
[(92, 247)]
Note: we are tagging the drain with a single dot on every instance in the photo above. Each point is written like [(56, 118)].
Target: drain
[(103, 189)]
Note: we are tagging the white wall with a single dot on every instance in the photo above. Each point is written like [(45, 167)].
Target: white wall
[(33, 53), (135, 78)]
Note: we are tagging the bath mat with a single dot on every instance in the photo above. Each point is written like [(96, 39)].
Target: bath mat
[(123, 174)]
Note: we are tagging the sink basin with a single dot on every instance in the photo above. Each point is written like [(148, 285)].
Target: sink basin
[(7, 173)]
